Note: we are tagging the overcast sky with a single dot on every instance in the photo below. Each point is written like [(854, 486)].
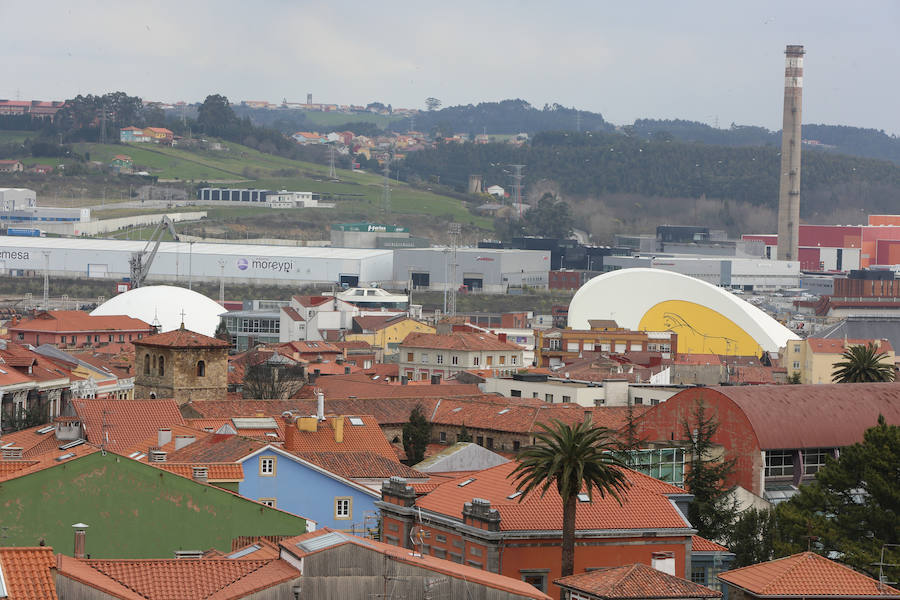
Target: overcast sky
[(705, 61)]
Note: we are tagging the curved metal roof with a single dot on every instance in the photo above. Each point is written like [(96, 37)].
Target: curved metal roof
[(814, 416), (165, 304)]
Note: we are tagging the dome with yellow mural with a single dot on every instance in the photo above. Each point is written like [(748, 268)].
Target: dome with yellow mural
[(707, 319)]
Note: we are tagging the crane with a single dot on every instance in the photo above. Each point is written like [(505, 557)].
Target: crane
[(141, 261)]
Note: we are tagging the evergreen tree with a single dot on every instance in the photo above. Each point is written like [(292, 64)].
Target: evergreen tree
[(464, 435), (713, 511), (852, 507), (416, 435), (752, 539)]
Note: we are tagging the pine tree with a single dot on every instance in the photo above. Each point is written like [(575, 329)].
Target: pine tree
[(713, 510), (416, 435)]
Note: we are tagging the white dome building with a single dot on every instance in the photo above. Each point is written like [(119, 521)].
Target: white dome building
[(707, 319), (164, 305)]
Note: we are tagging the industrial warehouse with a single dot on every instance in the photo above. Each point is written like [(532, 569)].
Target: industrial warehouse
[(184, 262)]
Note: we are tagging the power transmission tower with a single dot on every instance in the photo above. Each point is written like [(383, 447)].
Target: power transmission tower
[(453, 230), (578, 121), (386, 198), (332, 174), (412, 121), (517, 188)]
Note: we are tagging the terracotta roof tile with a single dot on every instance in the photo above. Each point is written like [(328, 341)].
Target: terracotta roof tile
[(310, 301), (361, 385), (457, 341), (292, 313), (216, 449), (174, 579), (645, 505), (26, 573), (635, 581), (366, 437), (431, 563), (76, 321), (839, 345), (806, 574), (47, 460), (215, 471), (181, 338), (120, 424), (360, 465), (701, 544)]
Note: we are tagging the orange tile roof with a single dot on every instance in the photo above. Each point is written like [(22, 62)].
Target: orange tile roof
[(645, 505), (367, 437), (48, 460), (292, 313), (215, 471), (701, 544), (310, 301), (120, 424), (177, 579), (181, 338), (839, 345), (362, 386), (26, 573), (806, 574), (216, 448), (360, 465), (634, 581), (470, 342), (422, 561), (76, 321)]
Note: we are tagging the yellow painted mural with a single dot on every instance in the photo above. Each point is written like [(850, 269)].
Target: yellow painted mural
[(700, 329)]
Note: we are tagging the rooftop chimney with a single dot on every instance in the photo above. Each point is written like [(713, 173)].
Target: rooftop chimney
[(320, 405), (12, 453), (337, 424), (163, 436), (79, 539), (789, 188), (200, 474), (502, 337), (184, 440)]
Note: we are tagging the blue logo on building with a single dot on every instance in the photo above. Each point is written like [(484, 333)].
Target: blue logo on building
[(242, 264)]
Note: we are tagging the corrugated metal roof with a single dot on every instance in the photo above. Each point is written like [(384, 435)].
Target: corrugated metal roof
[(814, 416)]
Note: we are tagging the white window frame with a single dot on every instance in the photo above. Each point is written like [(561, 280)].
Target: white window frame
[(267, 466)]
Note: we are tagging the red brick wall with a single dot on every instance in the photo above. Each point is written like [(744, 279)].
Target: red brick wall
[(664, 423)]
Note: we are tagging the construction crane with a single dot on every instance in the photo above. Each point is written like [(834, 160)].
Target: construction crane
[(141, 261)]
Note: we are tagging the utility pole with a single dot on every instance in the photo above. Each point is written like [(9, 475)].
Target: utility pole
[(453, 230)]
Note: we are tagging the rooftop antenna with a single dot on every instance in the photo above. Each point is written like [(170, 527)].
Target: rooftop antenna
[(454, 230)]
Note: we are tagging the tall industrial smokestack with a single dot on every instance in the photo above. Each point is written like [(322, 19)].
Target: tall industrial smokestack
[(789, 190)]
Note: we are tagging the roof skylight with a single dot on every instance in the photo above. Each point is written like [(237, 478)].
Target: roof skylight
[(466, 482), (584, 497)]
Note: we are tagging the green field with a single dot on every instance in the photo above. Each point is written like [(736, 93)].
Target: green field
[(359, 194)]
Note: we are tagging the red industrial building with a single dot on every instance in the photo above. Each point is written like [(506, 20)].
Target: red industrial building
[(843, 247), (779, 435)]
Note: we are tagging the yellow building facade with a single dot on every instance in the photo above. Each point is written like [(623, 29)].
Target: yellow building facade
[(813, 359), (389, 336)]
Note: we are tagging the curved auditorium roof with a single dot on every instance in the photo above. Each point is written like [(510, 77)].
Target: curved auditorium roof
[(707, 319), (165, 304)]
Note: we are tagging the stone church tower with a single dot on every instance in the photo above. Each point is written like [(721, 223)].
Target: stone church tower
[(181, 364)]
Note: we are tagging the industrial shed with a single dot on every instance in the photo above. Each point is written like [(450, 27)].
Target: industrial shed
[(182, 262)]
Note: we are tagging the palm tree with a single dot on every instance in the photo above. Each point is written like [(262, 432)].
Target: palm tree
[(862, 364), (576, 460)]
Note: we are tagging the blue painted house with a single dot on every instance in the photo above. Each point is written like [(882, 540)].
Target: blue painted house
[(280, 479)]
